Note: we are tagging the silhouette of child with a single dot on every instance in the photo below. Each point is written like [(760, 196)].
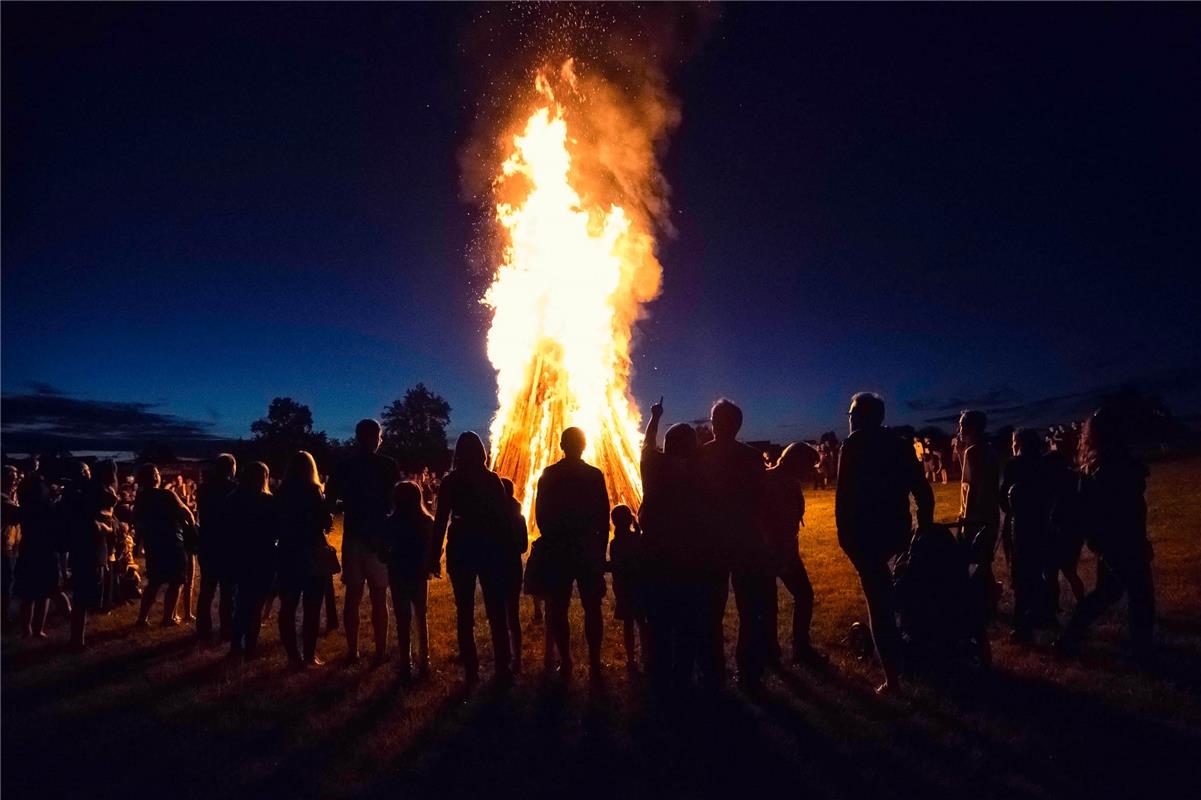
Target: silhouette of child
[(626, 560), (410, 533)]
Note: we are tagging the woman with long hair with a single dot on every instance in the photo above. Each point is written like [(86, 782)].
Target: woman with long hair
[(304, 563), (410, 529), (1113, 511), (471, 518), (159, 518)]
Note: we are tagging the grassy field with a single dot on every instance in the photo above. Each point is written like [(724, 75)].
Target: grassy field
[(149, 712)]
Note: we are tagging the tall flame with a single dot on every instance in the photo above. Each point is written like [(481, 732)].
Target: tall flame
[(573, 276)]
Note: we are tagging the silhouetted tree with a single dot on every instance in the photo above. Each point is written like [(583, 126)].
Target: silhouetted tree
[(288, 427), (415, 429)]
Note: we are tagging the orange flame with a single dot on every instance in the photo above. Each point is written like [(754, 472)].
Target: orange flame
[(574, 275)]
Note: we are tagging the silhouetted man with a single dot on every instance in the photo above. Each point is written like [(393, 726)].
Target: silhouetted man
[(980, 486), (572, 513), (363, 483), (216, 548), (732, 479), (877, 473)]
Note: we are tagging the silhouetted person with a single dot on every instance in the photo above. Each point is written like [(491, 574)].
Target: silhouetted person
[(91, 529), (306, 560), (520, 533), (877, 474), (10, 529), (472, 519), (254, 519), (732, 482), (363, 484), (1067, 538), (980, 505), (37, 578), (679, 572), (572, 513), (1114, 516), (216, 550), (628, 562), (784, 513), (410, 536), (159, 518), (1027, 497)]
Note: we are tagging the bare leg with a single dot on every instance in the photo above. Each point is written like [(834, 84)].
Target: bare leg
[(350, 619), (148, 598), (379, 620), (40, 609), (170, 600), (594, 633), (189, 577), (560, 630), (79, 623)]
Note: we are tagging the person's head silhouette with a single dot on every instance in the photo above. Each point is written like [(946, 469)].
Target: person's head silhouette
[(726, 419), (573, 442), (509, 488), (797, 460), (470, 452), (368, 435), (971, 426), (680, 441), (867, 411), (622, 517)]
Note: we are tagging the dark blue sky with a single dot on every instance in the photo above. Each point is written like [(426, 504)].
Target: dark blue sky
[(207, 206)]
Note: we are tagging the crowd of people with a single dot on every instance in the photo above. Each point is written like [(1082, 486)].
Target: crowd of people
[(713, 518)]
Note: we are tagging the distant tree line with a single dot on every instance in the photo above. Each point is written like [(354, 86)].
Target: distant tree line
[(414, 434)]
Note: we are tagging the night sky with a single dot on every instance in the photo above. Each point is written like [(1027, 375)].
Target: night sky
[(207, 206)]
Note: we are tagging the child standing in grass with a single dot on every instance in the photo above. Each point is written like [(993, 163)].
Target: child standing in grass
[(410, 532), (626, 558)]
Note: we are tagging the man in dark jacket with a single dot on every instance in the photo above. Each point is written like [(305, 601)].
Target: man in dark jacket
[(215, 546), (877, 474), (572, 513)]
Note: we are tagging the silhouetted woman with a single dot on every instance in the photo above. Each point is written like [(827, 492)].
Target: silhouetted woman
[(92, 530), (471, 501), (159, 517), (784, 515), (410, 533), (1114, 514), (305, 565), (254, 529), (675, 565)]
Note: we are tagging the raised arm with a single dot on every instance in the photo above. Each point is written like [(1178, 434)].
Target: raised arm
[(651, 436)]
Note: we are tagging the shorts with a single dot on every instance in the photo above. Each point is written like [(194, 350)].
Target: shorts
[(573, 566), (360, 563)]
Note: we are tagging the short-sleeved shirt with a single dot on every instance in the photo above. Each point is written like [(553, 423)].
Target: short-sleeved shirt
[(980, 489)]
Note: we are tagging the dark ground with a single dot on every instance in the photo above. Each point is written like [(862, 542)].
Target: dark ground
[(150, 712)]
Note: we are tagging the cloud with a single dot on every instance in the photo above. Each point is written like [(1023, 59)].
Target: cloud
[(46, 419), (995, 396), (1183, 383)]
